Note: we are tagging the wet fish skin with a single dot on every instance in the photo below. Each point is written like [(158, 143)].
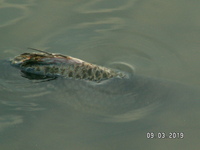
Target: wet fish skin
[(55, 65)]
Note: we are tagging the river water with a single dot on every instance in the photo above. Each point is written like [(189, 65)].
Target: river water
[(156, 42)]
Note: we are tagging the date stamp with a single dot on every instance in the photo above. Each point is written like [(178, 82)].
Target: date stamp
[(163, 135)]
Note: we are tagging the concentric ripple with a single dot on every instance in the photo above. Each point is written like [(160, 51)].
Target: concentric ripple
[(121, 100)]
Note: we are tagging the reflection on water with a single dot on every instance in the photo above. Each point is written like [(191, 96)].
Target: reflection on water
[(13, 12), (9, 120), (98, 6), (143, 38)]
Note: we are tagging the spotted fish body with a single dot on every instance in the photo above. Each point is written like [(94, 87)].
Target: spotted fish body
[(55, 65)]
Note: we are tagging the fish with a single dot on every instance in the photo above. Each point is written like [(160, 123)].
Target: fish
[(123, 97), (57, 65)]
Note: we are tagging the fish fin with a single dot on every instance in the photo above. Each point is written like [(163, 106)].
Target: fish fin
[(40, 51)]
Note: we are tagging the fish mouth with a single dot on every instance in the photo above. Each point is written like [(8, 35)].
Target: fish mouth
[(19, 60)]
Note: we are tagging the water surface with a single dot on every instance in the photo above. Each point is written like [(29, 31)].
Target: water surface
[(158, 39)]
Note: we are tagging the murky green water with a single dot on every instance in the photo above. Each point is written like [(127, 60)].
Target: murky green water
[(159, 39)]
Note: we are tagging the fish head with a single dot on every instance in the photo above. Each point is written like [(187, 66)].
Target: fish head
[(28, 59)]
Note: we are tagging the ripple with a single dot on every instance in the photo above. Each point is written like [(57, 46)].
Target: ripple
[(122, 66), (21, 105), (14, 86), (75, 38), (119, 100), (116, 100), (152, 57), (13, 11), (9, 120), (131, 115), (129, 99), (24, 2), (148, 55), (22, 94), (103, 6)]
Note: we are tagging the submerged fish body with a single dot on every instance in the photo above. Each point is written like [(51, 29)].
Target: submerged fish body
[(54, 65), (119, 99)]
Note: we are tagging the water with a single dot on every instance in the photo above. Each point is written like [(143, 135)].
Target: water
[(156, 40)]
